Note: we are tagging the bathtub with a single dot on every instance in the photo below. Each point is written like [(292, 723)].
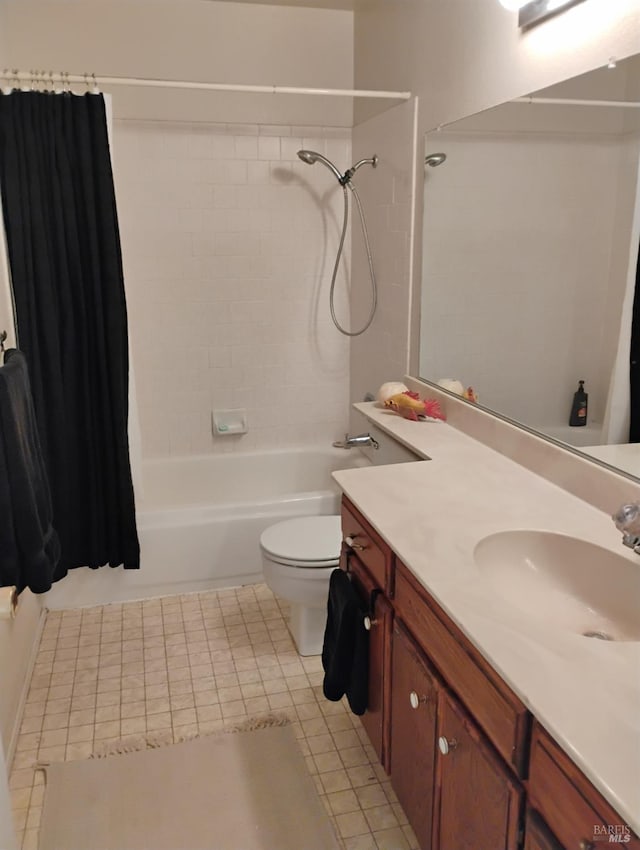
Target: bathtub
[(201, 517)]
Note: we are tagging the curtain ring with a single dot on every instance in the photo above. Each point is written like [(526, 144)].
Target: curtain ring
[(96, 90), (6, 76)]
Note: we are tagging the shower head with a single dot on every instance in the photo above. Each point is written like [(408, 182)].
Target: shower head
[(308, 156), (434, 159), (311, 157)]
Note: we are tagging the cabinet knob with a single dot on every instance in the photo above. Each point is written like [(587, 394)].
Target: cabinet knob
[(350, 540), (446, 745), (368, 622), (415, 700), (585, 844)]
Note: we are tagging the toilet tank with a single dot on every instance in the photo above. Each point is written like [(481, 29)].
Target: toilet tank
[(389, 451)]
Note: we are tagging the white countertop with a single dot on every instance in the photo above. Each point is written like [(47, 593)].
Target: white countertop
[(585, 692)]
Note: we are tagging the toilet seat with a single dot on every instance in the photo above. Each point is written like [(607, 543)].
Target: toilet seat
[(310, 542)]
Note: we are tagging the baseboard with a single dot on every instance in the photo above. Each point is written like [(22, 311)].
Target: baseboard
[(15, 732)]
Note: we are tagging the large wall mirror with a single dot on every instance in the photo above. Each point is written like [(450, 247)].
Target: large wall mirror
[(531, 238)]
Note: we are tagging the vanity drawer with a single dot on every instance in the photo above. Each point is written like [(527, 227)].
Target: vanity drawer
[(370, 548), (499, 712), (575, 812)]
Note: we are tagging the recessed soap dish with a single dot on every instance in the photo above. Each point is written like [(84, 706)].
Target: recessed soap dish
[(228, 422)]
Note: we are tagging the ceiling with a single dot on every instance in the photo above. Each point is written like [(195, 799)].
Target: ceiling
[(345, 5)]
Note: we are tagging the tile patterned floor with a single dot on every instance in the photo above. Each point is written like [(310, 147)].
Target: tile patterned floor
[(185, 665)]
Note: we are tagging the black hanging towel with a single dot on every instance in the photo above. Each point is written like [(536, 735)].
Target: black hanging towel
[(634, 363), (66, 272), (345, 651)]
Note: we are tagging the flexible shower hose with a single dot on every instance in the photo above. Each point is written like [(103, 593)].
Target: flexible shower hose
[(374, 287)]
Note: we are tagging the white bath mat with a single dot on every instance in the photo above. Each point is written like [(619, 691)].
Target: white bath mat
[(245, 791)]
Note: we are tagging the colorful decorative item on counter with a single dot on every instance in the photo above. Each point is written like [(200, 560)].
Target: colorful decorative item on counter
[(410, 406), (470, 394)]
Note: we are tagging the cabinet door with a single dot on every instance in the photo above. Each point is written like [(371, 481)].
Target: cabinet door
[(574, 810), (414, 696), (375, 718), (479, 804), (537, 836)]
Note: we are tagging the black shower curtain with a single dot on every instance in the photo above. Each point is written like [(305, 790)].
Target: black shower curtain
[(66, 271), (634, 363)]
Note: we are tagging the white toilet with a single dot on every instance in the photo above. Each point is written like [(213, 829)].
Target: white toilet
[(298, 557)]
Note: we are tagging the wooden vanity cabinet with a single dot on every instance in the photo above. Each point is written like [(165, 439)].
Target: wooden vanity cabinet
[(537, 835), (494, 707), (414, 705), (380, 620), (478, 802), (371, 550), (575, 812), (368, 559), (459, 745)]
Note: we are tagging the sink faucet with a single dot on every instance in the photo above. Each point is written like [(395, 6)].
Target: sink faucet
[(360, 441), (627, 520)]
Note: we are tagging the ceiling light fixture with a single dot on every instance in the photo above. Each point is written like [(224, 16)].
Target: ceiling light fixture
[(534, 11)]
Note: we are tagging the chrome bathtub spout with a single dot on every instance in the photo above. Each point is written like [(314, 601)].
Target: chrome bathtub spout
[(360, 441), (627, 520)]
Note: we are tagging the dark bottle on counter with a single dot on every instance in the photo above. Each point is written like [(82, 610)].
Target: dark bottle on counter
[(579, 406)]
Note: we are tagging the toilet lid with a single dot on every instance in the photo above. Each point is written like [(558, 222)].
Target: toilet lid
[(315, 539)]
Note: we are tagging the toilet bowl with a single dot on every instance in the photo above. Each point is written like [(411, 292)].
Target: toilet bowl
[(298, 557)]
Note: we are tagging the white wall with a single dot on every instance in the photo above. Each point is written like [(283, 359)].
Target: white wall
[(194, 40), (228, 246), (462, 56)]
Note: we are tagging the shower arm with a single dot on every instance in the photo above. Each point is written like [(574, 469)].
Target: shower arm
[(372, 161)]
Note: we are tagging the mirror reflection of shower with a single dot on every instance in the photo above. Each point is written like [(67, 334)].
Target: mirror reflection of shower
[(435, 159), (311, 157)]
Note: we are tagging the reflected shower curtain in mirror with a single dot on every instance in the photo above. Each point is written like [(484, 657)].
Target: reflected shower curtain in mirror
[(66, 273), (634, 363)]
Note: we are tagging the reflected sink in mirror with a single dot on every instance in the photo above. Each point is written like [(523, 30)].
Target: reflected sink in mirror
[(567, 582)]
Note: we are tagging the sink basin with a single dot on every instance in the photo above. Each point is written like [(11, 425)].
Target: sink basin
[(567, 582)]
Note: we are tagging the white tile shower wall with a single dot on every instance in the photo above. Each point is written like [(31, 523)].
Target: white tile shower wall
[(381, 353), (228, 246)]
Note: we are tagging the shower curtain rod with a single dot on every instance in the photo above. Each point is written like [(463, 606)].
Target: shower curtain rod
[(566, 101), (36, 78)]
